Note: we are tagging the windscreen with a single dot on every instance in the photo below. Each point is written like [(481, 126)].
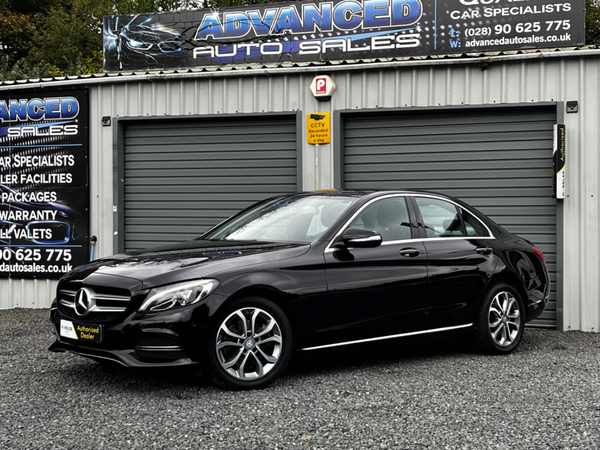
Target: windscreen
[(294, 219)]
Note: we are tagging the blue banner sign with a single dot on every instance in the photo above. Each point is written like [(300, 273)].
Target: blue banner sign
[(44, 192), (338, 30)]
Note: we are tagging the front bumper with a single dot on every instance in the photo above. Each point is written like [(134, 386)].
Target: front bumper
[(128, 358), (167, 339)]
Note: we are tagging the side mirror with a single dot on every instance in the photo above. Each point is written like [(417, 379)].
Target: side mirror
[(358, 238)]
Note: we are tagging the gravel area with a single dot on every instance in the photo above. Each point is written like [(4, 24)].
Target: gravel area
[(546, 395)]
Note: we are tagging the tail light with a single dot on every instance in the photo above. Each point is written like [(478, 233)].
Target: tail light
[(540, 255)]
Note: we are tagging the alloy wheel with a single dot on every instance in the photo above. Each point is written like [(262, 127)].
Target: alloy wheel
[(504, 319), (249, 343)]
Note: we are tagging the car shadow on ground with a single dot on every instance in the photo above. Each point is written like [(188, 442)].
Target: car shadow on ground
[(303, 363), (380, 355)]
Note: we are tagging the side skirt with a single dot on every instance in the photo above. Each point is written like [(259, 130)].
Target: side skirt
[(381, 338)]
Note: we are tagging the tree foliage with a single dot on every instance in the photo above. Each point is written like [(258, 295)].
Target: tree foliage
[(63, 37), (592, 22), (41, 38)]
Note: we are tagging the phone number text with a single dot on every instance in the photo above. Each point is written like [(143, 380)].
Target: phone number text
[(524, 27), (36, 254)]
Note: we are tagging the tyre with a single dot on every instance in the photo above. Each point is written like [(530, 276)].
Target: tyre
[(501, 320), (250, 345)]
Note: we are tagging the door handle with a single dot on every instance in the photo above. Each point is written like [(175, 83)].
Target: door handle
[(484, 250), (409, 252)]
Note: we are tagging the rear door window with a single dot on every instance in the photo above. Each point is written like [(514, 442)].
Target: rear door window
[(473, 225), (440, 218)]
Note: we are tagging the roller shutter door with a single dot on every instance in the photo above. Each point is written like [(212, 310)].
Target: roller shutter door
[(496, 159), (182, 177)]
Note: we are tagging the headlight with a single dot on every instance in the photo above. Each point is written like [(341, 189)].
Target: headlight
[(138, 45), (176, 295)]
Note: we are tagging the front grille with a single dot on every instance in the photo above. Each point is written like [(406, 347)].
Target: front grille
[(99, 318), (97, 304), (158, 341)]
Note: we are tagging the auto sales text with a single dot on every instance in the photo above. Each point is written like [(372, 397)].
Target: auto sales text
[(37, 109), (344, 15), (44, 129), (310, 47)]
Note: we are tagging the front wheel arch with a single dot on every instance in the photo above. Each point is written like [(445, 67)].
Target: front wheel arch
[(266, 292)]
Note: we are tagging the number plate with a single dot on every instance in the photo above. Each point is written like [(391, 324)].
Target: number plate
[(81, 332)]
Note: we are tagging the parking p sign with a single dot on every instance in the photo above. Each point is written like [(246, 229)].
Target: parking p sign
[(322, 87)]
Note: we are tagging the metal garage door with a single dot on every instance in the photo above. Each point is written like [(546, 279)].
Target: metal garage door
[(497, 159), (183, 176)]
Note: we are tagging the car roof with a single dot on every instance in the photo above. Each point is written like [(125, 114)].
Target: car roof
[(367, 193)]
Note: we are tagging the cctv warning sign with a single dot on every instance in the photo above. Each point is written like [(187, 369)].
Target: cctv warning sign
[(318, 128)]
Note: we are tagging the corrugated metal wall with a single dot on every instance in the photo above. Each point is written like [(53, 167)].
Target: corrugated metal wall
[(498, 159), (552, 78)]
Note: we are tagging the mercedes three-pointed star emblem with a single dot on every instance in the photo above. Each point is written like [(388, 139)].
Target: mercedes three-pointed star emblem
[(84, 301)]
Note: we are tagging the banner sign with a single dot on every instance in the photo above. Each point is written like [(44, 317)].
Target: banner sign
[(44, 194), (558, 162), (307, 31)]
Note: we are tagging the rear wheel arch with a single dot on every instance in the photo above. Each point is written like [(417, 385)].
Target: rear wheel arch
[(513, 281)]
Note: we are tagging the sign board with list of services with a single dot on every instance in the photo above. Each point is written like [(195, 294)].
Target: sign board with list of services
[(44, 192)]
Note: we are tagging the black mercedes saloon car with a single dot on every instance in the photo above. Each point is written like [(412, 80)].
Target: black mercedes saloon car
[(304, 272)]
